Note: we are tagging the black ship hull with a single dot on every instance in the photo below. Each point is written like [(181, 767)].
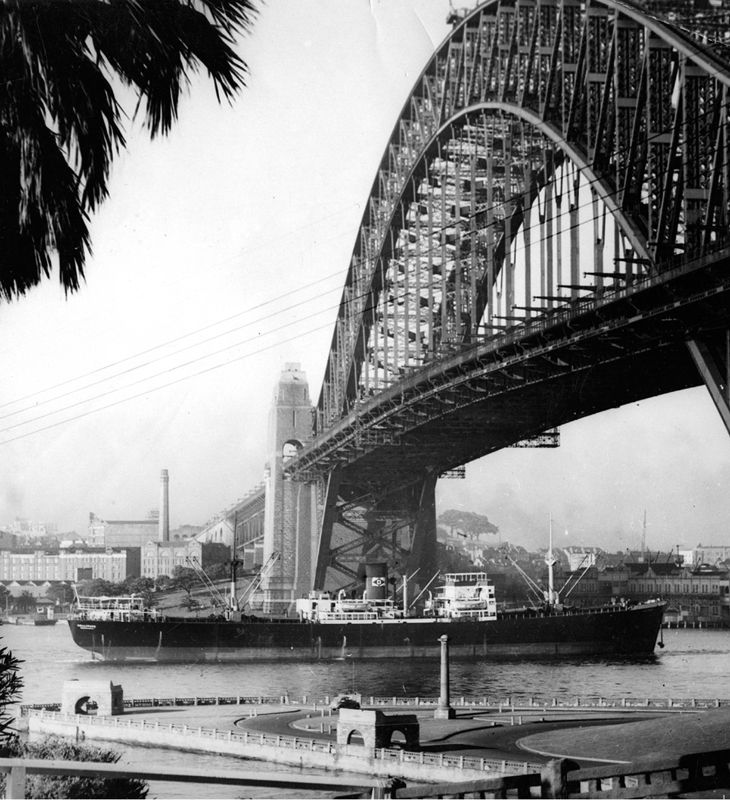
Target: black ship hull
[(612, 631)]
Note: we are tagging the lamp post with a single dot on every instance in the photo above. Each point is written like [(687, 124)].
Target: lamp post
[(444, 710)]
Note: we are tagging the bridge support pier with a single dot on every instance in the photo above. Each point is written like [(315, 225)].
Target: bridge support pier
[(423, 547), (714, 368), (290, 506), (398, 527)]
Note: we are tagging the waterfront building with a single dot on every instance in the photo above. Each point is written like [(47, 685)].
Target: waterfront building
[(711, 554), (219, 530), (581, 557), (695, 595), (119, 533), (185, 532), (161, 558), (27, 527), (63, 565), (17, 588), (242, 521)]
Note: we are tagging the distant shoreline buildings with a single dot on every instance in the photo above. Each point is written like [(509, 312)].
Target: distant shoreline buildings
[(694, 581)]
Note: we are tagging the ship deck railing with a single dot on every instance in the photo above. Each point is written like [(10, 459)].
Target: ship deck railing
[(348, 616)]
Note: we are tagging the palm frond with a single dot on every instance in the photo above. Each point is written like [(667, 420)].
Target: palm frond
[(61, 124)]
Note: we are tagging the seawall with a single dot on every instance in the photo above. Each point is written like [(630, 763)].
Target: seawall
[(299, 751)]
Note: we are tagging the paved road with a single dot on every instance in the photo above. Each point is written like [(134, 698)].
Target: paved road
[(584, 735)]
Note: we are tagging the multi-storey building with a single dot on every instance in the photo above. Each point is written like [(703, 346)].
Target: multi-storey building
[(581, 557), (26, 527), (241, 523), (63, 565), (161, 558), (711, 554), (693, 595), (122, 533)]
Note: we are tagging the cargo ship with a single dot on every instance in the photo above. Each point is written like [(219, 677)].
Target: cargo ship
[(369, 626)]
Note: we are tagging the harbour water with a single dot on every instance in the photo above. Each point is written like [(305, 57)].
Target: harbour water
[(693, 663)]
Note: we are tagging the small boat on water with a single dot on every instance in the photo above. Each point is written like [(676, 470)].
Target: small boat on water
[(41, 620), (369, 626)]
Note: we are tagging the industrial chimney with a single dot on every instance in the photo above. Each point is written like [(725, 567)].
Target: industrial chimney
[(164, 519)]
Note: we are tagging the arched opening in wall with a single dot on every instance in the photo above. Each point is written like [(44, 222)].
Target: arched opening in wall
[(86, 706), (290, 449), (355, 737), (397, 740)]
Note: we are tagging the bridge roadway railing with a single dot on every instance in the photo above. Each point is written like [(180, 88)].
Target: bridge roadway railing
[(367, 412)]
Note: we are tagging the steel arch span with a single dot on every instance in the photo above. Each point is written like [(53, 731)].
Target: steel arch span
[(547, 236)]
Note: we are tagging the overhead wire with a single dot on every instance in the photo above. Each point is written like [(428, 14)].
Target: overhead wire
[(152, 389), (150, 362), (393, 299), (436, 248)]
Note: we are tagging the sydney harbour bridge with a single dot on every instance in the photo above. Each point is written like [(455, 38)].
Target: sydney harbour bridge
[(547, 236)]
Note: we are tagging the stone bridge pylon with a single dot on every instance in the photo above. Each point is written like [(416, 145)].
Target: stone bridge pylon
[(290, 524), (400, 530)]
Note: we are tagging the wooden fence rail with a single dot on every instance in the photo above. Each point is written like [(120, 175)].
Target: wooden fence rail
[(659, 776), (651, 776), (17, 769)]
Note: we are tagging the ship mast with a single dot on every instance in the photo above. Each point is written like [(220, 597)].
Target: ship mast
[(232, 599), (552, 598)]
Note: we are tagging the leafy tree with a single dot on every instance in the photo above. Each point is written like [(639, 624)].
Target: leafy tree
[(10, 686), (25, 602), (448, 560), (140, 586), (162, 582), (184, 578), (56, 748), (61, 123), (218, 571), (61, 593), (191, 603), (42, 786), (98, 587)]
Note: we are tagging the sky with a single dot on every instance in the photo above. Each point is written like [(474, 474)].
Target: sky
[(220, 256)]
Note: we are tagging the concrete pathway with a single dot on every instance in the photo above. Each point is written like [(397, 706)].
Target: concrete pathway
[(675, 734), (582, 734)]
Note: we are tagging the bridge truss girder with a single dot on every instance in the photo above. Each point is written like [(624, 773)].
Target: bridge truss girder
[(548, 229), (518, 92)]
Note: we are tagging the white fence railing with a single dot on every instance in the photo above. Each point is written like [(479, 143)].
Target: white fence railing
[(308, 743), (504, 702)]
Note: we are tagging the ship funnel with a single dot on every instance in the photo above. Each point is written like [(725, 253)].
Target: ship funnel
[(376, 581)]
